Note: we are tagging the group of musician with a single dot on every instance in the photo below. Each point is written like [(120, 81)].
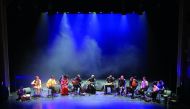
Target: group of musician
[(121, 89)]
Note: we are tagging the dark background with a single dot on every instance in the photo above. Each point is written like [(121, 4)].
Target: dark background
[(162, 41)]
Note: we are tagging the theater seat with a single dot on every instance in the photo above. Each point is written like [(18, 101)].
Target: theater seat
[(27, 90), (27, 95), (166, 94)]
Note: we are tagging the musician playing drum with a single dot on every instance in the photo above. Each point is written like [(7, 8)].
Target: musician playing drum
[(37, 85)]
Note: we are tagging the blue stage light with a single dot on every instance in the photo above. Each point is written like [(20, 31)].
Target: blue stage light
[(98, 39)]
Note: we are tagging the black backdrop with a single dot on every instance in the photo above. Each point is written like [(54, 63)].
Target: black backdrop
[(162, 41)]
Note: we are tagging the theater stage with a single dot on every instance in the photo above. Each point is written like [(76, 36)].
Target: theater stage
[(98, 101)]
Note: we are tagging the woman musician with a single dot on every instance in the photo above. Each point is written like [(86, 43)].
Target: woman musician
[(37, 85), (64, 85)]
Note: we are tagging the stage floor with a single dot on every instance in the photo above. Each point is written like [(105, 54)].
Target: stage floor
[(98, 101)]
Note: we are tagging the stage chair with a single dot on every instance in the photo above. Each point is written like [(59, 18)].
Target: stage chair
[(27, 90), (99, 85), (27, 95), (166, 94)]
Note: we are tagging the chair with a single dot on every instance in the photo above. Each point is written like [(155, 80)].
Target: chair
[(27, 95), (166, 95), (27, 90)]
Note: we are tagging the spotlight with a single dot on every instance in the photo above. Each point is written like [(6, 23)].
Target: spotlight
[(78, 12)]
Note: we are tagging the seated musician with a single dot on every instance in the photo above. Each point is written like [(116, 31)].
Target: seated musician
[(109, 83), (144, 86), (37, 85), (132, 86), (91, 85), (77, 84), (64, 85), (20, 93), (51, 84), (160, 85), (155, 91), (121, 85)]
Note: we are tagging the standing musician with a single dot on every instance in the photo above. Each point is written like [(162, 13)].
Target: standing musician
[(37, 85), (91, 85), (77, 84), (121, 85), (64, 85), (51, 84), (109, 83)]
